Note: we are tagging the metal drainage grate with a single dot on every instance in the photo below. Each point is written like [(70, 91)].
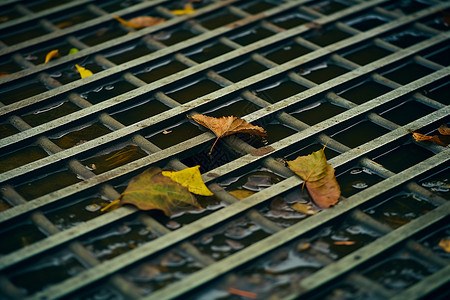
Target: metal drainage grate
[(355, 75)]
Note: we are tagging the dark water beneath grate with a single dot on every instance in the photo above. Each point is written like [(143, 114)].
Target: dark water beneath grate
[(276, 273)]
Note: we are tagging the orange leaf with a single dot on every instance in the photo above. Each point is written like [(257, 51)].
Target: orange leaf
[(437, 139), (152, 190), (242, 293), (51, 54), (319, 177), (444, 129), (140, 22), (444, 243), (344, 243), (227, 125)]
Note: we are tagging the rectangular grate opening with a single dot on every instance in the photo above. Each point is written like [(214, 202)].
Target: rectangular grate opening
[(355, 76)]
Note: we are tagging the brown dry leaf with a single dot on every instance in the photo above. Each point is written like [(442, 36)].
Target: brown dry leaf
[(50, 55), (140, 22), (152, 190), (242, 293), (444, 129), (227, 125), (262, 151), (344, 243), (304, 208), (319, 177), (437, 139), (241, 194), (444, 243)]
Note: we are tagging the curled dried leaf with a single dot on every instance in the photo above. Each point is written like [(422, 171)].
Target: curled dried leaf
[(227, 125), (51, 54), (344, 243), (140, 22), (444, 129), (444, 243), (304, 208)]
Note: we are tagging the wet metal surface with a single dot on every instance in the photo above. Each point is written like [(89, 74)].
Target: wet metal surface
[(356, 76)]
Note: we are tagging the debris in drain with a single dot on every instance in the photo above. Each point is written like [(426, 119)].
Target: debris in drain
[(83, 71), (140, 22), (168, 191), (226, 126), (51, 54), (441, 139), (318, 176)]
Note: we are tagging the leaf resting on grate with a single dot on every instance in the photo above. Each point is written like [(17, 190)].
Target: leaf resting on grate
[(227, 125), (83, 71), (442, 139), (51, 54), (140, 22), (190, 178), (152, 190), (318, 176)]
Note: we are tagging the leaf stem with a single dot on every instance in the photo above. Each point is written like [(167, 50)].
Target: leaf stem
[(110, 204)]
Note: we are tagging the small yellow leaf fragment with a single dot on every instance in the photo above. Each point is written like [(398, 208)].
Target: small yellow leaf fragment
[(344, 243), (304, 208), (241, 194), (167, 131), (83, 71), (188, 9), (190, 178), (445, 244), (51, 54)]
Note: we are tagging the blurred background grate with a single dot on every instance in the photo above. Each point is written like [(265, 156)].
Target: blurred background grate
[(357, 76)]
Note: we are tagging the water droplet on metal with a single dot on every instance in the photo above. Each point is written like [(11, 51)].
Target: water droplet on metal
[(93, 207), (355, 171), (360, 185), (56, 74)]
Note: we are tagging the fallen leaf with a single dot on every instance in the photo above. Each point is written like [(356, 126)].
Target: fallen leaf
[(262, 151), (188, 9), (3, 74), (140, 22), (226, 126), (344, 243), (190, 178), (437, 139), (64, 24), (51, 54), (73, 51), (152, 190), (303, 208), (83, 71), (318, 176), (444, 243), (241, 194), (242, 293), (167, 131), (444, 129)]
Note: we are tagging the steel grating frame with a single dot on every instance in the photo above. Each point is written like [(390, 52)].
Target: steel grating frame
[(348, 156)]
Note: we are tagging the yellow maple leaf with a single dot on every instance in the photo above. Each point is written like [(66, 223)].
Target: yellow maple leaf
[(188, 9), (51, 54), (83, 71), (190, 178)]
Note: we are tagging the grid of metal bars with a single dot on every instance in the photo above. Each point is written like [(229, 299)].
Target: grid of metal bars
[(256, 52)]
